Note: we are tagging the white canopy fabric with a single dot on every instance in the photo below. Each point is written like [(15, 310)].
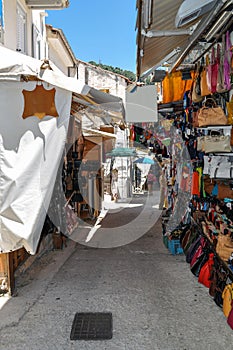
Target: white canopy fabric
[(14, 65), (30, 154), (30, 149)]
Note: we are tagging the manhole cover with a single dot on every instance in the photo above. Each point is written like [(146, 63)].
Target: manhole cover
[(92, 326)]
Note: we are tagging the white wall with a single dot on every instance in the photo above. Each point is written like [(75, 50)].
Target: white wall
[(10, 26)]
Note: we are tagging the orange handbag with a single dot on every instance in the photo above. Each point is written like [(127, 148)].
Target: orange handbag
[(204, 86), (227, 296)]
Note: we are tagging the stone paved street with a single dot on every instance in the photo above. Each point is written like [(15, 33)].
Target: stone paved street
[(157, 304)]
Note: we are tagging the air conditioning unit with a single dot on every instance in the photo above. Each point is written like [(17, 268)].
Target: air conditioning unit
[(190, 10), (47, 4)]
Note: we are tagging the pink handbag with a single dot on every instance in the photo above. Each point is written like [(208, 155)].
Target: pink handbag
[(214, 71)]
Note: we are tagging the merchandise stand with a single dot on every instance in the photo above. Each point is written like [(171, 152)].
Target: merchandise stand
[(204, 233)]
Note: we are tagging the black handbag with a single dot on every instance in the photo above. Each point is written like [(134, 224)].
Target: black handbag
[(191, 239), (203, 258)]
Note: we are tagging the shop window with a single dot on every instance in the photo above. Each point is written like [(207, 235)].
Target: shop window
[(21, 19)]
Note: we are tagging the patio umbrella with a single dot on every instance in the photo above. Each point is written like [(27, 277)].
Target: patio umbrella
[(144, 160)]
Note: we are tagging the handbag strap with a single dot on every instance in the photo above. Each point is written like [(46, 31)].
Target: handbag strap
[(210, 100)]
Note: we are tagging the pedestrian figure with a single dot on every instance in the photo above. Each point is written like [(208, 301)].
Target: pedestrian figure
[(151, 178)]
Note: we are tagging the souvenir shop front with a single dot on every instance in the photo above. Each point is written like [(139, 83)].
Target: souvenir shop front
[(192, 41), (199, 170)]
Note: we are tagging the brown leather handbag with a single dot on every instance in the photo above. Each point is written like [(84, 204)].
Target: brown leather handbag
[(211, 114)]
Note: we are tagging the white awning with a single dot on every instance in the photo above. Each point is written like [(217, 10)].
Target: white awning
[(15, 66)]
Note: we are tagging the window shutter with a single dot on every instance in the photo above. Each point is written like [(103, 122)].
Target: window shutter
[(21, 30)]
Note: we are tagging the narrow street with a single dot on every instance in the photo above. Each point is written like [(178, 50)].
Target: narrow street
[(155, 301)]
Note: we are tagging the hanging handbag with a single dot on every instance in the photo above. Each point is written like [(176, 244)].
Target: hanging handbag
[(227, 296), (214, 70), (204, 86), (208, 184), (195, 190), (229, 106), (223, 190), (199, 252), (192, 249), (205, 272), (230, 317), (227, 62), (196, 86), (211, 114), (224, 171), (200, 261), (183, 233), (208, 72), (195, 118), (218, 280), (207, 165), (191, 239), (185, 238), (217, 143), (220, 79), (215, 162), (200, 143), (224, 246)]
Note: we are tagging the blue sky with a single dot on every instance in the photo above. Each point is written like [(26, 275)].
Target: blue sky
[(100, 30)]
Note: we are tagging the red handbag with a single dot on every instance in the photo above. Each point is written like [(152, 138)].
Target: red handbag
[(195, 184), (205, 272)]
